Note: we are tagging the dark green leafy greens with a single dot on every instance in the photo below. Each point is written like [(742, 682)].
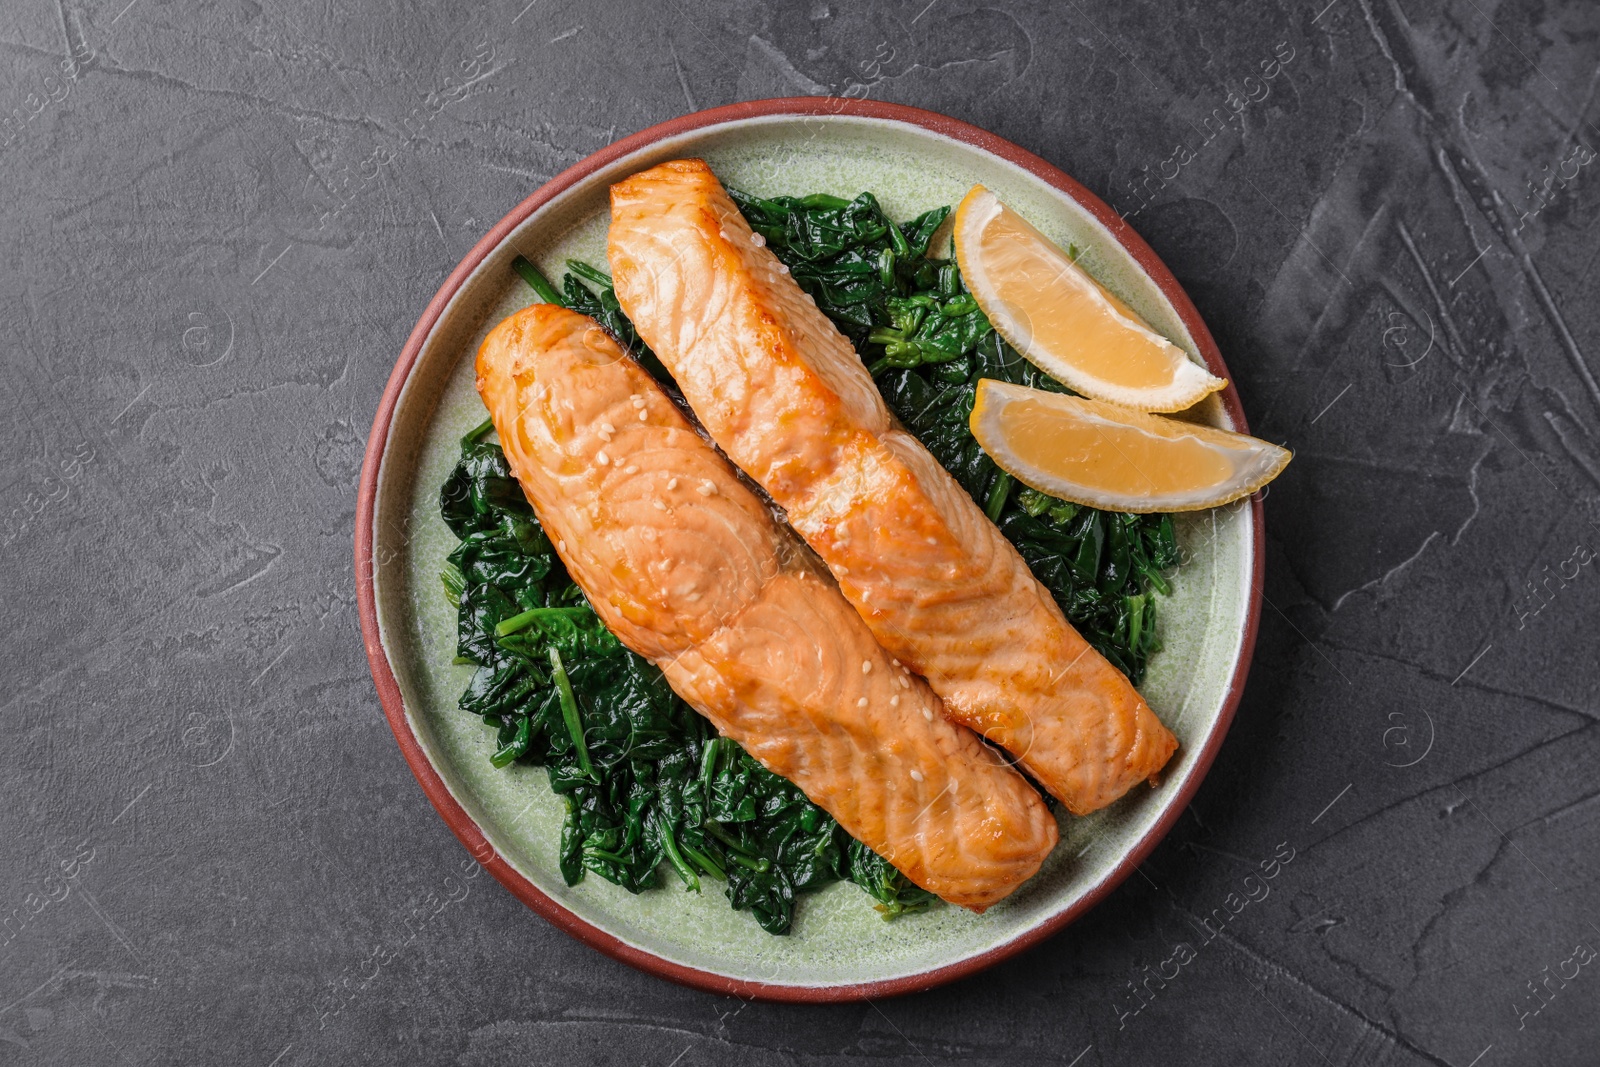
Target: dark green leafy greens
[(927, 344), (646, 781)]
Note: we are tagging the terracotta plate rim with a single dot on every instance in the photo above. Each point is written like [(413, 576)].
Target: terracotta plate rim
[(462, 825)]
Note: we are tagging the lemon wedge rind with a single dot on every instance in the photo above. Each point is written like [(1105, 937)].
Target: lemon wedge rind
[(1114, 458), (1179, 382)]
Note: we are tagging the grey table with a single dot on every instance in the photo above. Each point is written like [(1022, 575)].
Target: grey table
[(209, 837)]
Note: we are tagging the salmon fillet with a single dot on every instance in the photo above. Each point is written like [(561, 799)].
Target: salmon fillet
[(689, 569), (785, 395)]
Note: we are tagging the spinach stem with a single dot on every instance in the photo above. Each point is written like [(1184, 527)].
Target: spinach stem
[(477, 433), (886, 269), (507, 627), (1135, 619), (569, 713), (902, 247), (760, 866), (537, 281), (741, 855), (826, 201), (708, 766), (997, 497), (674, 857), (583, 270), (705, 862)]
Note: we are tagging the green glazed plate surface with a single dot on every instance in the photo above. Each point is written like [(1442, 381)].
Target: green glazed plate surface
[(838, 940)]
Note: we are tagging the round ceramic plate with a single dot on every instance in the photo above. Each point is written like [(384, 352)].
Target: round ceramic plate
[(839, 947)]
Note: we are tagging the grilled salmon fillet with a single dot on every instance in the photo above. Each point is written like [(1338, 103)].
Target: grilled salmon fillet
[(689, 569), (785, 395)]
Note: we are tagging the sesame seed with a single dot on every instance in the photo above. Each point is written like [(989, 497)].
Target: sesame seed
[(905, 683), (643, 415), (916, 776), (601, 458), (638, 397), (861, 703), (638, 401), (927, 713), (894, 701), (895, 662), (707, 489), (757, 240), (659, 505), (561, 545), (933, 540), (866, 666), (783, 268), (672, 484), (632, 469), (606, 427), (842, 569)]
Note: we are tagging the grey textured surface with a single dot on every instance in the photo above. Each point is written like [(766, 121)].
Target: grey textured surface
[(222, 220)]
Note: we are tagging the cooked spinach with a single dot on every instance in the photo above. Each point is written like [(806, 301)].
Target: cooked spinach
[(645, 780), (926, 343)]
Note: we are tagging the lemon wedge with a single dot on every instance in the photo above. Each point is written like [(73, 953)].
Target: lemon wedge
[(1062, 320), (1109, 457)]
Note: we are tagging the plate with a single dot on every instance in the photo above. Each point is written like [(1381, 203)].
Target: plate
[(509, 820)]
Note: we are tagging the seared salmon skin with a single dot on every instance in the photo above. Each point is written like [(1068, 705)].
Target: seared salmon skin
[(785, 395), (689, 569)]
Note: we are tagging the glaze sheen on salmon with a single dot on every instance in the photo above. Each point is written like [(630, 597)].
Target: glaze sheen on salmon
[(785, 395), (688, 568)]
